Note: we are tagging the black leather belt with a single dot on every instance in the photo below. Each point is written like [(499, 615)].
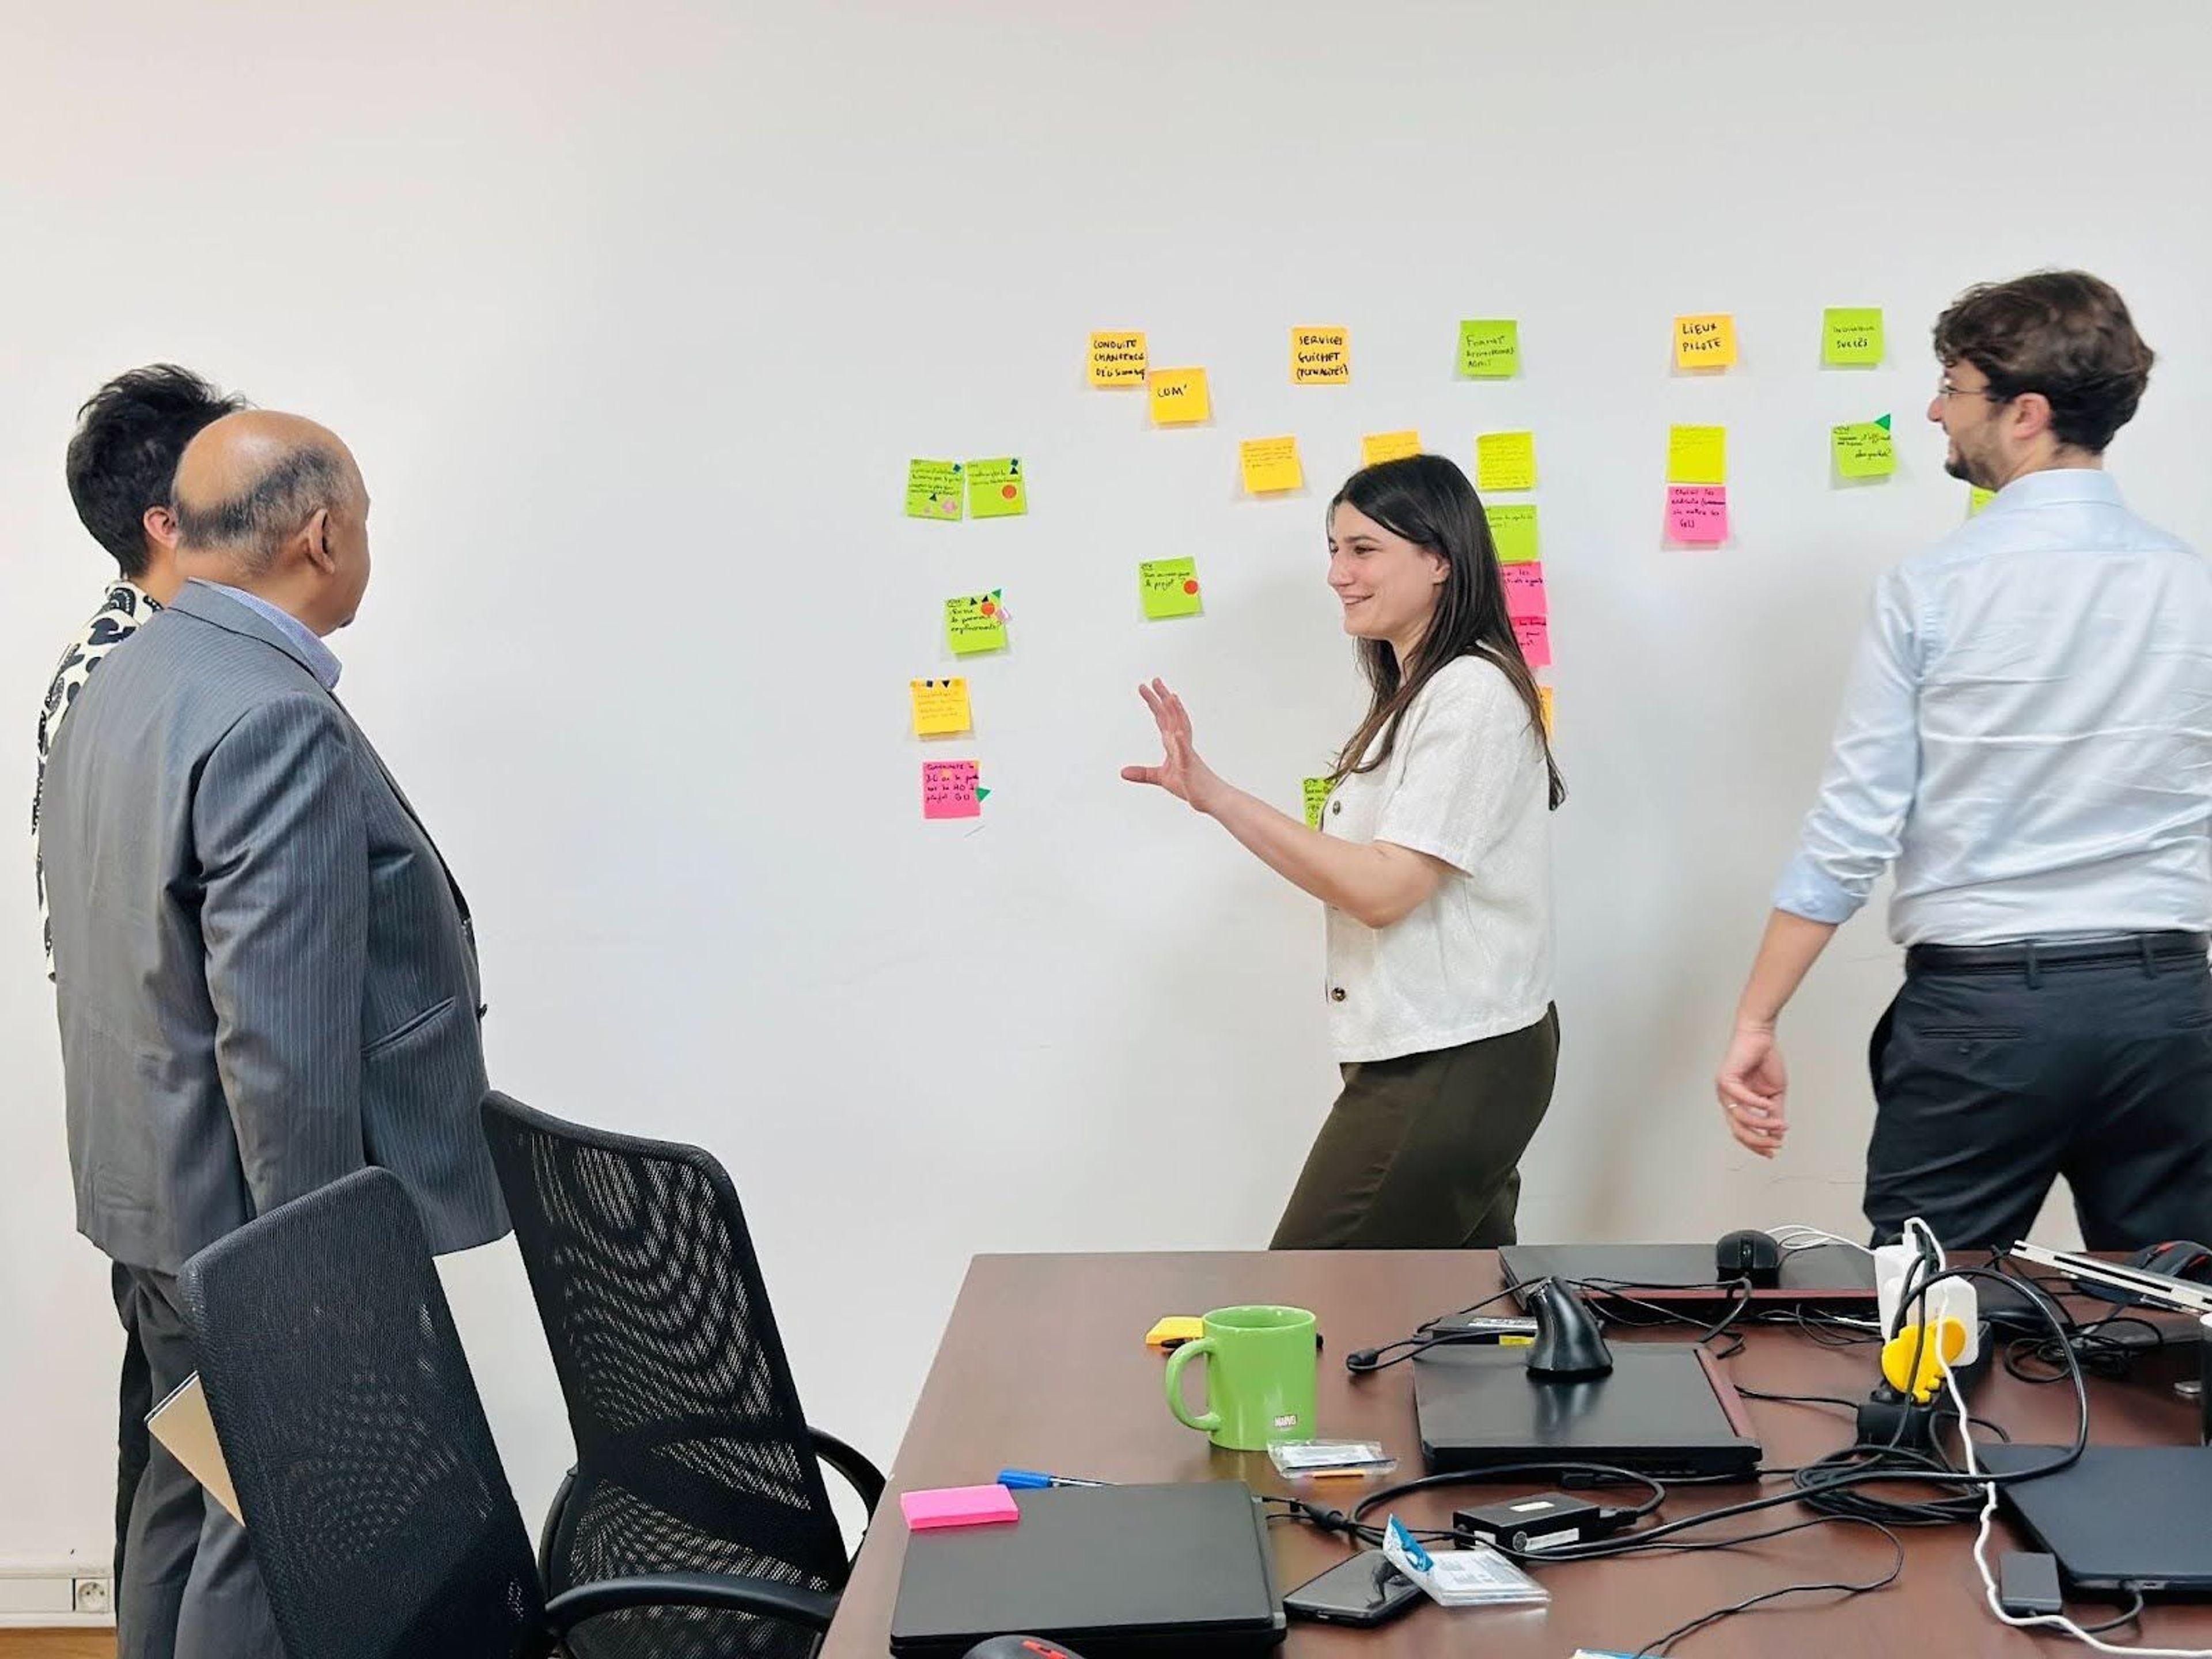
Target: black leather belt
[(2167, 946)]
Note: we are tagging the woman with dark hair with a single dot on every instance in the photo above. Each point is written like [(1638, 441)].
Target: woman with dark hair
[(1434, 861)]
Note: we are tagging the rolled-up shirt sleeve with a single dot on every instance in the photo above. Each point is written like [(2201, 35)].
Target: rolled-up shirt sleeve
[(1853, 831)]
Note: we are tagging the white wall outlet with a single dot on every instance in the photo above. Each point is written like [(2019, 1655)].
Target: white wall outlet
[(92, 1595)]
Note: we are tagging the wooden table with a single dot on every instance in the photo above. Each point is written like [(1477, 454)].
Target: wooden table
[(1042, 1366)]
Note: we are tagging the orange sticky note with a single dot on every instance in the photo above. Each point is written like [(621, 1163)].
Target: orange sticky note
[(1320, 356), (1117, 359), (1707, 342), (1387, 446), (1179, 397), (1544, 697)]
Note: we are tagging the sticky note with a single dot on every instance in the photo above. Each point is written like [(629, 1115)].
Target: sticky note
[(1864, 449), (1707, 342), (1697, 454), (1513, 532), (1270, 463), (958, 1506), (995, 488), (932, 490), (1535, 634), (1505, 460), (1544, 700), (1320, 356), (1850, 337), (1316, 798), (1175, 1330), (1387, 446), (940, 706), (1697, 512), (1117, 359), (1524, 589), (948, 789), (976, 623), (1977, 498), (1179, 397), (1490, 348), (1170, 587)]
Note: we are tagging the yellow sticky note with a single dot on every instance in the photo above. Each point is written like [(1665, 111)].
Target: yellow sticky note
[(1179, 397), (1513, 532), (1387, 446), (1707, 342), (1270, 463), (1170, 587), (940, 706), (1320, 356), (996, 490), (1490, 348), (1864, 449), (976, 622), (1697, 454), (1317, 798), (1850, 337), (1505, 460), (1117, 359), (932, 490), (1175, 1330), (1977, 498), (1544, 702)]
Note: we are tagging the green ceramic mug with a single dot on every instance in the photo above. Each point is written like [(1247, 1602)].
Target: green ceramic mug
[(1261, 1366)]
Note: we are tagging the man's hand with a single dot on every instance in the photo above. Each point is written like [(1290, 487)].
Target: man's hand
[(1754, 1087)]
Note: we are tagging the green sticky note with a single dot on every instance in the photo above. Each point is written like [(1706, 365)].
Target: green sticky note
[(1514, 531), (1316, 798), (1977, 498), (932, 490), (1850, 337), (976, 622), (1170, 587), (996, 488), (1864, 449), (1490, 348)]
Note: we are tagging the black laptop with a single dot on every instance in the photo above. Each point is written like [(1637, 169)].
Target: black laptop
[(1830, 1278), (2121, 1518), (1664, 1410)]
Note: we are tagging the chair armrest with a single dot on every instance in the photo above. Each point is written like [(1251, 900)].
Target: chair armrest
[(729, 1592), (864, 1477)]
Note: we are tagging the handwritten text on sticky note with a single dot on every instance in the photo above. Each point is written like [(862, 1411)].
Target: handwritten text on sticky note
[(1513, 532), (1505, 460), (932, 490), (1697, 512), (1170, 587), (976, 622), (1270, 463), (995, 488), (1379, 446), (1316, 790), (1117, 359), (1179, 397), (1864, 449), (1490, 348), (1697, 454), (948, 789), (1850, 337), (1707, 342), (1524, 589), (940, 706), (1320, 356), (1535, 634)]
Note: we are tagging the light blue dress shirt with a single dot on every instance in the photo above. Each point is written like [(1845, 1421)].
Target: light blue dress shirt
[(322, 662), (2026, 733)]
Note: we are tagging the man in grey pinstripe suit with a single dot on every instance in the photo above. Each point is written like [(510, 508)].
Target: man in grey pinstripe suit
[(266, 976)]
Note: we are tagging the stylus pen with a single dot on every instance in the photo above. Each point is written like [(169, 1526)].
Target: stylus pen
[(1032, 1480)]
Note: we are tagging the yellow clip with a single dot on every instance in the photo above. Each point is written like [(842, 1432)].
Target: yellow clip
[(1938, 1343), (1175, 1330)]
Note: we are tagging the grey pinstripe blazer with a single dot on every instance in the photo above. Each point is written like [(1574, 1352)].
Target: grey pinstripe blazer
[(265, 975)]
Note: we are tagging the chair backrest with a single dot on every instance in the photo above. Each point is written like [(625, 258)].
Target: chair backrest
[(693, 1453), (380, 1516)]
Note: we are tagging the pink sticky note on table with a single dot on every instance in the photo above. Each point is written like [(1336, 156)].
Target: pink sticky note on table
[(1524, 590), (1697, 512), (948, 790), (958, 1506), (1535, 634)]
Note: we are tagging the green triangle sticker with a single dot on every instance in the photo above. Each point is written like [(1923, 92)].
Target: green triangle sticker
[(1883, 423), (983, 794)]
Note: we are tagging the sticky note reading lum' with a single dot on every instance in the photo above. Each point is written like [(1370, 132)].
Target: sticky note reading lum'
[(1697, 454), (1490, 348), (932, 490), (1378, 446), (1117, 360), (1270, 463), (1535, 634), (1864, 449), (1179, 397), (995, 490), (940, 707), (1505, 460), (1513, 529), (1170, 587), (1707, 342), (1320, 356), (976, 623), (1850, 337), (1524, 590), (1697, 512), (1317, 798), (949, 789)]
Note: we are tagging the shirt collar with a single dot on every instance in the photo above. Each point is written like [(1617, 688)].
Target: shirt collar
[(321, 661), (2059, 483)]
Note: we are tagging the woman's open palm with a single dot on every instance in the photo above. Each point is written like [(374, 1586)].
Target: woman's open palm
[(1181, 773)]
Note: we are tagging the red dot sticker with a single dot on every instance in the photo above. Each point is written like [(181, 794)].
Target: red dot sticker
[(990, 609), (1190, 586), (1008, 491)]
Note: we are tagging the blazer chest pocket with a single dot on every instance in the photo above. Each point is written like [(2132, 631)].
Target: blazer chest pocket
[(406, 1030)]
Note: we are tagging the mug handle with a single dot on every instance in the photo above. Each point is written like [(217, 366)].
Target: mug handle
[(1184, 1354)]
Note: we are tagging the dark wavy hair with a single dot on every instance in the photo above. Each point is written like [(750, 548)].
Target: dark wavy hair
[(2063, 333), (122, 459)]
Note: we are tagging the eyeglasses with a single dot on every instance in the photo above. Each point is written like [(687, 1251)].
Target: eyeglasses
[(1945, 391)]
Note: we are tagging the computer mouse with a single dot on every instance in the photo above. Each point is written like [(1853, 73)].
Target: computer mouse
[(1748, 1253), (1020, 1647), (2178, 1258)]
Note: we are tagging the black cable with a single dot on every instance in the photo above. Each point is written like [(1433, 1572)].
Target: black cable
[(1659, 1645), (1750, 1392), (2127, 1617)]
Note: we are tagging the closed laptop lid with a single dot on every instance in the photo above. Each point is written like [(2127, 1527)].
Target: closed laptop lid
[(2122, 1516)]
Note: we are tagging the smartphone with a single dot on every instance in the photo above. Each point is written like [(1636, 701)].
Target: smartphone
[(1363, 1591)]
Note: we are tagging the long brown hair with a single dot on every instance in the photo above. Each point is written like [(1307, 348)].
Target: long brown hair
[(1428, 501)]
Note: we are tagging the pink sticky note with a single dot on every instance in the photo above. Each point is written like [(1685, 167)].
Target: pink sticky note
[(1535, 634), (958, 1506), (1524, 590), (948, 790), (1697, 512)]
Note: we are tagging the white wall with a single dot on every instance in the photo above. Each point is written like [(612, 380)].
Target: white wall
[(634, 315)]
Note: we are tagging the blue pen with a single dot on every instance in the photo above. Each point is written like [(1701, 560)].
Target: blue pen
[(1035, 1480)]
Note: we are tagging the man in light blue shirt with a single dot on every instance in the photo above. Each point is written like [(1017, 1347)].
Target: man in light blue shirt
[(2026, 737)]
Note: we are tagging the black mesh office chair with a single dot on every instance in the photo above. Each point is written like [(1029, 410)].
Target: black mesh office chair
[(379, 1513), (692, 1452)]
